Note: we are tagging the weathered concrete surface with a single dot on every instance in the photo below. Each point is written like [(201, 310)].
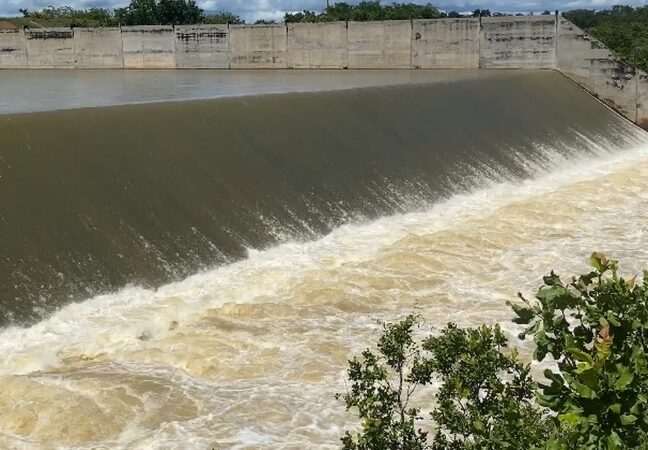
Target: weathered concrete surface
[(592, 65), (13, 49), (202, 46), (148, 47), (380, 45), (98, 48), (642, 99), (527, 42), (445, 44), (318, 45), (50, 48), (258, 47)]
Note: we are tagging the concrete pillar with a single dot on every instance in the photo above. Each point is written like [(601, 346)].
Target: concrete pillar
[(50, 48), (149, 47), (445, 44), (13, 49), (318, 45), (98, 48), (518, 42), (202, 46)]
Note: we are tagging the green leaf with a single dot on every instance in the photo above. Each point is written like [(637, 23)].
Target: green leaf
[(570, 418), (599, 261), (613, 319), (625, 377), (524, 314), (583, 367), (580, 355), (583, 391), (628, 419), (613, 442)]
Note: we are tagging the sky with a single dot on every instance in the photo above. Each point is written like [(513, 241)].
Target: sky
[(251, 10)]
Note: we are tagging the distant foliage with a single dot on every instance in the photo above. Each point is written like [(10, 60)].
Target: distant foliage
[(624, 29), (594, 329), (223, 17), (160, 12), (367, 11), (68, 16), (138, 12)]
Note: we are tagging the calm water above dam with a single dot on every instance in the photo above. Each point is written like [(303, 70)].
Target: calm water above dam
[(196, 274), (45, 90)]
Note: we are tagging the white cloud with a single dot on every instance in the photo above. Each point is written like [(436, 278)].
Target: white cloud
[(274, 9)]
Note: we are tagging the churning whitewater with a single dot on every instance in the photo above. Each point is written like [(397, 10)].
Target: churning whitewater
[(250, 354)]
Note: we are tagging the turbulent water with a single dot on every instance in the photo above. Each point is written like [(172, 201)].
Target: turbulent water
[(326, 212)]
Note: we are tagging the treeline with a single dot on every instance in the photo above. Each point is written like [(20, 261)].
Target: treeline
[(138, 12), (373, 10), (624, 29), (178, 12)]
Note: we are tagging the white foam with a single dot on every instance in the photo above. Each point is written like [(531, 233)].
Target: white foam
[(111, 323)]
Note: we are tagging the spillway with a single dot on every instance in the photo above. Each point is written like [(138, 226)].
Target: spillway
[(180, 275)]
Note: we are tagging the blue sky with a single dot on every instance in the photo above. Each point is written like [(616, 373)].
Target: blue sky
[(275, 9)]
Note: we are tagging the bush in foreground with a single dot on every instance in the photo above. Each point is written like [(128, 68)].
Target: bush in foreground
[(594, 329)]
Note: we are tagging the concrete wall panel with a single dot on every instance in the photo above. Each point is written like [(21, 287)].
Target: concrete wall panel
[(518, 42), (202, 46), (445, 44), (317, 45), (597, 69), (13, 49), (149, 47), (50, 48), (98, 48), (380, 45), (258, 47)]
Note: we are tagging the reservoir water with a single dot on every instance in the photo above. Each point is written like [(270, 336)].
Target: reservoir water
[(197, 273)]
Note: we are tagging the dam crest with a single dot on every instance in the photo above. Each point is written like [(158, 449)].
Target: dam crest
[(529, 42)]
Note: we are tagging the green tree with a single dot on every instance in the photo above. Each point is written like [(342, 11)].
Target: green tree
[(304, 16), (595, 328), (223, 17), (175, 12), (484, 401), (160, 12), (382, 384), (138, 12), (623, 29), (485, 398), (339, 12)]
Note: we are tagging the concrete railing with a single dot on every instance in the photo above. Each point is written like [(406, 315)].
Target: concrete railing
[(530, 42)]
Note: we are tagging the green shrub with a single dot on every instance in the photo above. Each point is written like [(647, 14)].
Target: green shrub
[(483, 401), (594, 332), (596, 328)]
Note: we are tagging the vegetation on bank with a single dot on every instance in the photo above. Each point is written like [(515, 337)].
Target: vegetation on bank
[(375, 10), (592, 329), (138, 12), (176, 12), (623, 29)]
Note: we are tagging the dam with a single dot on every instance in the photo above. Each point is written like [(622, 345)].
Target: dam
[(196, 273), (525, 42), (188, 258)]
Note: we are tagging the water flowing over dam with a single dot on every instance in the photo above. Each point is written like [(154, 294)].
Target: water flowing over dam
[(194, 274)]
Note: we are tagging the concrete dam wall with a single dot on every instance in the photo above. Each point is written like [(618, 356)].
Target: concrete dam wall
[(535, 42)]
